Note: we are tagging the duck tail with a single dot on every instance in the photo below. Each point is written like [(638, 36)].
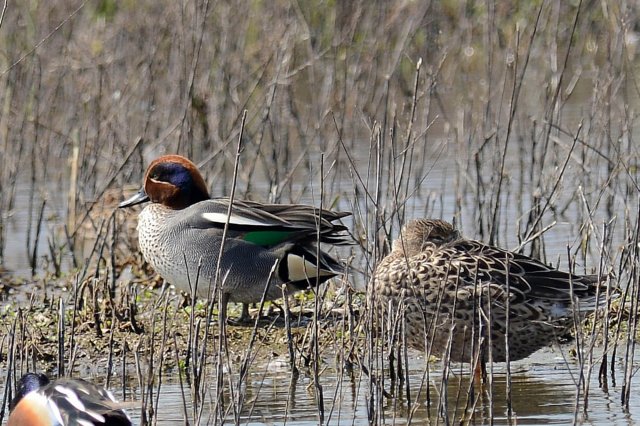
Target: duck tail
[(302, 269), (599, 288), (336, 235)]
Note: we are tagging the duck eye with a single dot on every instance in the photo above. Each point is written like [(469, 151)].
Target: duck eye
[(158, 174)]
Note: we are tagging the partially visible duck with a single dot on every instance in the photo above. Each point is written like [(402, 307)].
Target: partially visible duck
[(64, 402), (268, 245), (450, 289)]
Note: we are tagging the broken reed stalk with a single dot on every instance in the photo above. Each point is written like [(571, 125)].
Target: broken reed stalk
[(602, 371), (406, 375), (176, 351), (61, 328), (217, 285), (93, 287), (73, 184), (192, 337), (487, 316), (56, 258), (74, 316), (97, 278), (249, 355), (292, 355), (634, 317), (443, 403), (123, 371), (623, 264), (593, 332), (34, 253), (199, 388), (144, 401), (163, 348), (110, 357), (192, 341), (579, 340), (507, 352), (196, 353), (377, 366), (341, 366), (10, 373), (287, 326), (443, 392), (30, 209), (148, 378), (319, 393), (113, 224), (393, 319), (96, 249)]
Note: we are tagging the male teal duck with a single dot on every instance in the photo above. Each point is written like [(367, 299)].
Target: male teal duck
[(64, 402), (267, 246), (443, 284)]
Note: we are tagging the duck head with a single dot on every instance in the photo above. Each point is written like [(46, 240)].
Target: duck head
[(173, 181), (28, 383), (419, 233)]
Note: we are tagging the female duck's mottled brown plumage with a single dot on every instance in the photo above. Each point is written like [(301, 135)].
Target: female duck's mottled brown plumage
[(443, 284)]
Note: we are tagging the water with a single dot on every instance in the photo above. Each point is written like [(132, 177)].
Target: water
[(543, 392), (18, 222)]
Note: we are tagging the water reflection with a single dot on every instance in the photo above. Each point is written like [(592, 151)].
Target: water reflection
[(543, 392)]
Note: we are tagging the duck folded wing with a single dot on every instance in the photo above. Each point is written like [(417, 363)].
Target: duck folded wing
[(528, 279), (291, 222)]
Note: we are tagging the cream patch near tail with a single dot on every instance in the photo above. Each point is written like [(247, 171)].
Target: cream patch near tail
[(300, 269)]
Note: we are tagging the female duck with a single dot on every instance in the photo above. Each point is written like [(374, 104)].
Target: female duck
[(267, 245), (64, 402), (456, 291)]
